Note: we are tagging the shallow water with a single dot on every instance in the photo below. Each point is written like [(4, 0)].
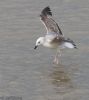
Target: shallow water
[(31, 74)]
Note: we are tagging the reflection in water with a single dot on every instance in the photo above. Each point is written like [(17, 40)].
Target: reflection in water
[(61, 79)]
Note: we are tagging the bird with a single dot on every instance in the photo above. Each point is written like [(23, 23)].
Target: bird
[(54, 37)]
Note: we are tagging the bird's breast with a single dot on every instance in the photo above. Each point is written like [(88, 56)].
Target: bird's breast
[(49, 45)]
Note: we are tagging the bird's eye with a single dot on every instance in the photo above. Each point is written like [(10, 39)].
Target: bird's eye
[(38, 42)]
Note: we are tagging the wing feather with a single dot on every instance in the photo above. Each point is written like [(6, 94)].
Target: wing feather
[(50, 24)]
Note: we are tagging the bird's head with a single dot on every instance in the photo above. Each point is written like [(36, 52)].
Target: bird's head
[(39, 41)]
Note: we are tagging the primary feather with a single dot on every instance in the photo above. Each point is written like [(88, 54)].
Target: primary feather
[(46, 11), (50, 24)]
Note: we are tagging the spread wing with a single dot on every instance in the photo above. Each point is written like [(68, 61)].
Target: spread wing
[(50, 24)]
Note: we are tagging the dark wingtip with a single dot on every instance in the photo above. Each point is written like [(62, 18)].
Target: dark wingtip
[(75, 47), (47, 11), (71, 41)]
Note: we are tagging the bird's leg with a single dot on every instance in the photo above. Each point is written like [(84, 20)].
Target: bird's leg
[(58, 54), (56, 58)]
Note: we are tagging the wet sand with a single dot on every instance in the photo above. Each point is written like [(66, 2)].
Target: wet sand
[(31, 74)]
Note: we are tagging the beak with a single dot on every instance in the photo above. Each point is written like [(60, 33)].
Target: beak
[(35, 47)]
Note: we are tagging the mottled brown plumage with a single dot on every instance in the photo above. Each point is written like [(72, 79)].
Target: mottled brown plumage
[(50, 24), (58, 40), (54, 37)]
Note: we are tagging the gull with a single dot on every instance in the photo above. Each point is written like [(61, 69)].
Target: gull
[(54, 37)]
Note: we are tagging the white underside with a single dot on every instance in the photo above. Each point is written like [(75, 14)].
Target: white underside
[(64, 45), (47, 44), (68, 45)]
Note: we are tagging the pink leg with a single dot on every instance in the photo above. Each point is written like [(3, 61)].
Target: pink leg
[(56, 60)]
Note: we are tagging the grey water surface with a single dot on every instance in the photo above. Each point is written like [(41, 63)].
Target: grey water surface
[(30, 73)]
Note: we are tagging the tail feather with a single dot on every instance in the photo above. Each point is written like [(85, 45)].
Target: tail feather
[(70, 44)]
